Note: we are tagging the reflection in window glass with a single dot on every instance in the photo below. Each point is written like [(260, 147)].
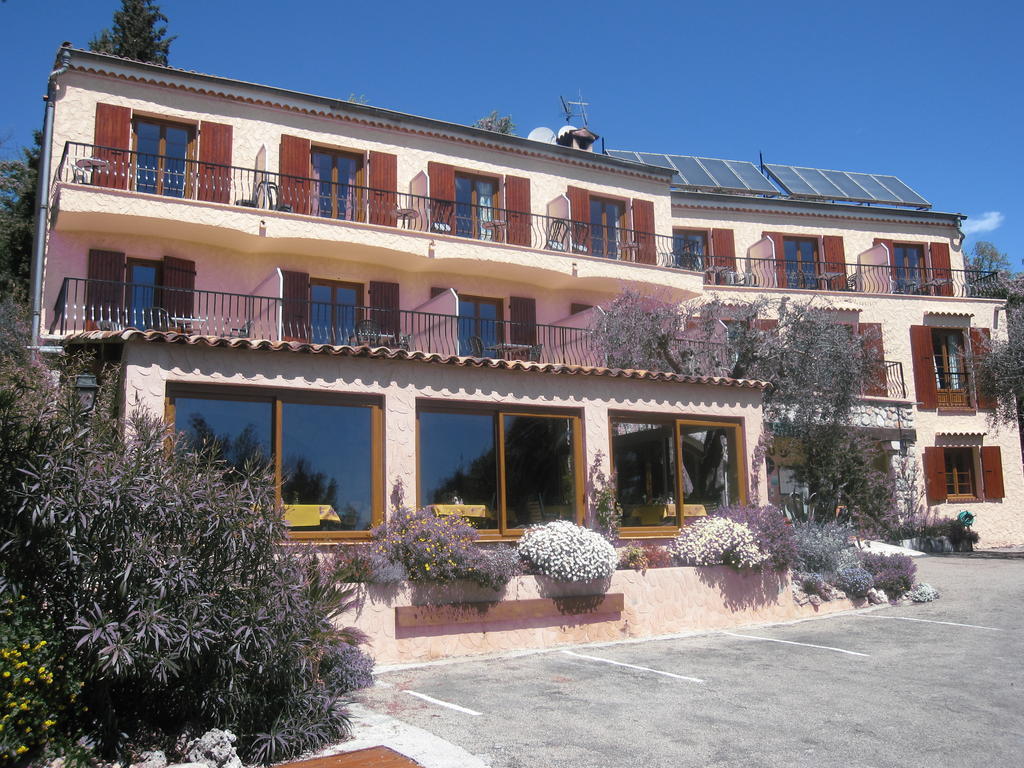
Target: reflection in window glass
[(645, 471), (540, 479), (238, 431), (459, 466), (710, 465), (327, 466)]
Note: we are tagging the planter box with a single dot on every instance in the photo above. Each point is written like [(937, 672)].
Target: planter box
[(413, 622)]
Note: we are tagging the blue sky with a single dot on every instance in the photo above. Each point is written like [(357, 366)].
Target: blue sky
[(928, 91)]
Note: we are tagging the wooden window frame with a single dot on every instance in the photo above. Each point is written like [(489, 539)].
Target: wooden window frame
[(819, 254), (499, 320), (956, 494), (623, 225), (476, 230), (498, 412), (360, 305), (945, 400), (708, 243), (157, 264), (188, 189), (277, 397), (922, 271), (359, 185), (678, 421)]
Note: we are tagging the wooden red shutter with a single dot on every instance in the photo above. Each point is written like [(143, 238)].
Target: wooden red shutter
[(874, 351), (517, 210), (924, 365), (214, 159), (113, 132), (779, 243), (643, 227), (104, 290), (442, 197), (766, 324), (833, 262), (523, 314), (981, 342), (992, 469), (935, 474), (723, 248), (383, 196), (295, 306), (295, 188), (180, 280), (579, 211), (385, 307), (940, 275)]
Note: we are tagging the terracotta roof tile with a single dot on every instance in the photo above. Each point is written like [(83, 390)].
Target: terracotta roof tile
[(387, 353)]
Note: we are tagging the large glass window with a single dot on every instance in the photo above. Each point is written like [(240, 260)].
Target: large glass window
[(475, 199), (950, 368), (607, 218), (338, 176), (333, 311), (711, 464), (644, 456), (801, 254), (162, 152), (479, 325), (327, 465), (689, 248), (959, 466), (142, 299), (908, 267), (500, 471)]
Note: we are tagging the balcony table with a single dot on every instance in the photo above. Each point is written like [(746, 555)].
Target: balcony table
[(187, 324), (825, 279), (504, 349), (406, 216), (86, 165)]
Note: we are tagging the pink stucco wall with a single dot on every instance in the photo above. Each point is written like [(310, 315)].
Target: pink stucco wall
[(660, 601)]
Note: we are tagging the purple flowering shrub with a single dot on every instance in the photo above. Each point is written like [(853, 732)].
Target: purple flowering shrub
[(894, 574), (854, 581), (346, 667), (362, 564), (812, 583), (495, 567), (772, 531)]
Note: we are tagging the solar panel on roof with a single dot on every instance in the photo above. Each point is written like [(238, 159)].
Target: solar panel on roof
[(815, 183), (693, 173)]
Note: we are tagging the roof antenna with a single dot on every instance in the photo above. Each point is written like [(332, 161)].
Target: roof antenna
[(576, 108)]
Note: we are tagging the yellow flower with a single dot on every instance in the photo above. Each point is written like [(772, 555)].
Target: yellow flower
[(22, 749)]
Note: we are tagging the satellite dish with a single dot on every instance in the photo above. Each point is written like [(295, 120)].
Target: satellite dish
[(543, 135)]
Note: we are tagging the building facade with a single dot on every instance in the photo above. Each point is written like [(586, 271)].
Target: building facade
[(394, 309)]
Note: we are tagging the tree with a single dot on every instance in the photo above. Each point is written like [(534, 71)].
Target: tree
[(17, 217), (986, 257), (493, 122), (138, 33), (816, 368)]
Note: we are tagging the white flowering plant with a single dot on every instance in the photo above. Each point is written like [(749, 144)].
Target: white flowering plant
[(567, 552), (718, 541)]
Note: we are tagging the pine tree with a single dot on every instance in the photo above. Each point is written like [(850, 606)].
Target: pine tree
[(137, 33)]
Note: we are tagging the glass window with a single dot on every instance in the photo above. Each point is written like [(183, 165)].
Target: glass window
[(606, 221), (238, 431), (644, 457), (162, 152), (337, 178), (333, 311), (959, 465), (327, 462), (711, 464), (459, 465), (142, 298), (475, 199), (950, 368), (689, 248), (908, 266), (480, 318), (540, 482), (801, 258)]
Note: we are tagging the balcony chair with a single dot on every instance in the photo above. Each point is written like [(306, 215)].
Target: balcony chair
[(159, 319), (265, 195), (476, 346), (242, 332), (368, 332), (533, 353), (405, 341)]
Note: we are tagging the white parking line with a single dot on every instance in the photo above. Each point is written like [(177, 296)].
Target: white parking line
[(792, 642), (633, 666), (440, 703), (933, 621)]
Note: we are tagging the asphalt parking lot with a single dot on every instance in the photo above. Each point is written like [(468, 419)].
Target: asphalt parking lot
[(933, 685)]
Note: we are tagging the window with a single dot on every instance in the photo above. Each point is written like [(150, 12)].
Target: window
[(479, 318), (908, 267), (500, 471), (162, 152), (475, 199), (948, 350), (689, 247), (662, 464), (801, 256), (142, 294), (607, 218), (338, 183), (325, 459), (959, 466), (333, 311)]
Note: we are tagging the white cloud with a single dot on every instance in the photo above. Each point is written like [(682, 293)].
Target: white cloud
[(985, 222)]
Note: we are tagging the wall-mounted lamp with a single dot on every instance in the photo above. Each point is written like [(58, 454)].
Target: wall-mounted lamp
[(86, 387)]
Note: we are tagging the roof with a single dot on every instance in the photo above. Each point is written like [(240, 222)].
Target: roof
[(241, 90), (387, 353)]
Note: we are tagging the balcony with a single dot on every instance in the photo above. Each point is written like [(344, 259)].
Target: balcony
[(101, 305), (852, 277), (168, 177)]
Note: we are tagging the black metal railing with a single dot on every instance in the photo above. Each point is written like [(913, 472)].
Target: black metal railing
[(859, 278), (88, 305), (183, 178)]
